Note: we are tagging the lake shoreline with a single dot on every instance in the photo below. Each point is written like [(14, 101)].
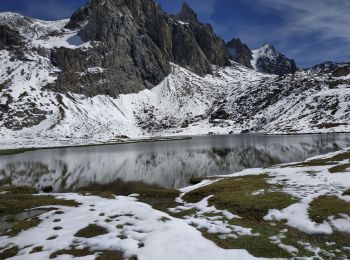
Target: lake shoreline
[(4, 152)]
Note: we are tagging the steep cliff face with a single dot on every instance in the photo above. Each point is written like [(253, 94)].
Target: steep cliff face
[(133, 42), (239, 52), (115, 47), (268, 60)]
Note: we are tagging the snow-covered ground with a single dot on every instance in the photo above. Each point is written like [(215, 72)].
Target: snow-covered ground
[(160, 235)]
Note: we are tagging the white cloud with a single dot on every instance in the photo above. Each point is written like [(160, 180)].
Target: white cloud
[(329, 19)]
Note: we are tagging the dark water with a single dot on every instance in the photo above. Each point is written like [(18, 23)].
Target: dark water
[(168, 164)]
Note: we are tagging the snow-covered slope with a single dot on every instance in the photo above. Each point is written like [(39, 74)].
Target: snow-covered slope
[(231, 100)]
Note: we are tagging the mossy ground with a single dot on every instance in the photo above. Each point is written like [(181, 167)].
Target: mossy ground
[(325, 161), (340, 168), (236, 196), (262, 246), (9, 252), (100, 255), (324, 207), (91, 230), (15, 201), (159, 198)]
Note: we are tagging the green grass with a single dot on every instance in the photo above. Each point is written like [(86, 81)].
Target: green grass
[(18, 190), (73, 252), (325, 161), (101, 255), (324, 207), (339, 168), (235, 195), (8, 253), (109, 255), (36, 249), (17, 200), (22, 226), (11, 204), (91, 230), (157, 197)]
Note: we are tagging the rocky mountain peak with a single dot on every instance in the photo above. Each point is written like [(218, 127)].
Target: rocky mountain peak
[(133, 43), (80, 16), (268, 60), (187, 14), (239, 52)]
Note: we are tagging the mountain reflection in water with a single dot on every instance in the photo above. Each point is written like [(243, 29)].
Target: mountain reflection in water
[(167, 164)]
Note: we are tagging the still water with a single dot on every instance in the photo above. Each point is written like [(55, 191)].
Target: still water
[(168, 164)]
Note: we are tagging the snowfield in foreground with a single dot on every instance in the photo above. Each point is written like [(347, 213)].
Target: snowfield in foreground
[(136, 229), (143, 232)]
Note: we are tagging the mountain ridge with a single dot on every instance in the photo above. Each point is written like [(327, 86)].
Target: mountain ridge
[(110, 75)]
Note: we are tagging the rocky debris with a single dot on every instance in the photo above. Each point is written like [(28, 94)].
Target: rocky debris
[(268, 60), (28, 117), (239, 52)]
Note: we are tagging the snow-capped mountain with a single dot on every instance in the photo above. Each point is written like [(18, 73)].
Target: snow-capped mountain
[(267, 60), (332, 68), (127, 68)]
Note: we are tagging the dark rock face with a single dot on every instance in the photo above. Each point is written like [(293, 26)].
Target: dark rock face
[(270, 61), (213, 47), (186, 52), (332, 68), (9, 38), (187, 14), (239, 52), (133, 42), (80, 16)]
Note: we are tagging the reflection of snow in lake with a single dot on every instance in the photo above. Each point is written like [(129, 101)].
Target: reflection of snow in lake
[(169, 164)]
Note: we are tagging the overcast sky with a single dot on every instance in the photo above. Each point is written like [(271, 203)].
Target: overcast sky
[(310, 31)]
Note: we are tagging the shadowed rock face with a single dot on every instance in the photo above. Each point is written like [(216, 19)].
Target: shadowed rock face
[(187, 14), (332, 68), (9, 38), (134, 41), (268, 60), (239, 52)]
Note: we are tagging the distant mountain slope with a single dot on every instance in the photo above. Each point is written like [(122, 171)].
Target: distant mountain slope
[(265, 59)]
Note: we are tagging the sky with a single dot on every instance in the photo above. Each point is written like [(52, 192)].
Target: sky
[(310, 31)]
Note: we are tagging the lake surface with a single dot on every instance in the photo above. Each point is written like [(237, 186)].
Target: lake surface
[(168, 164)]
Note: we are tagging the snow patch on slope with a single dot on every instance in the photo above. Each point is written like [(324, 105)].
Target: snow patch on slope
[(159, 234)]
